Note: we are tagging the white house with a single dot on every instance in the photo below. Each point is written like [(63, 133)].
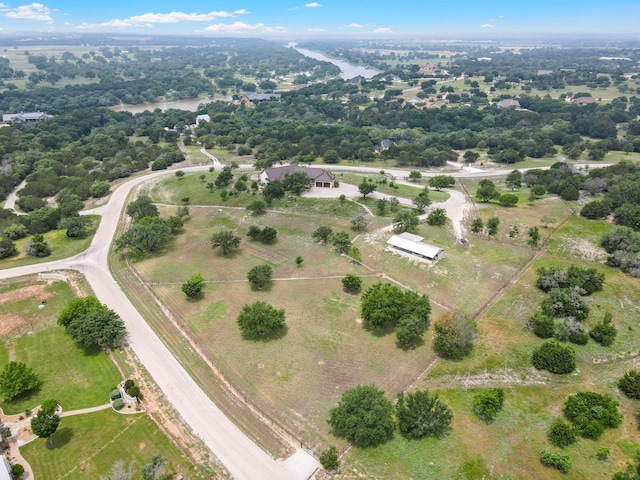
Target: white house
[(202, 118), (5, 469), (413, 244)]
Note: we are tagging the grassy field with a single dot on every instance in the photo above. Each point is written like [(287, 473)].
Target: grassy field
[(61, 247), (98, 440), (77, 379)]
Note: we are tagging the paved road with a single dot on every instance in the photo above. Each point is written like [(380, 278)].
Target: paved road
[(241, 456)]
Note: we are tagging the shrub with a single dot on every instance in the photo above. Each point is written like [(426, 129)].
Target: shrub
[(565, 302), (422, 415), (118, 404), (329, 459), (488, 403), (454, 336), (437, 217), (554, 357), (542, 325), (604, 332), (561, 433), (555, 460), (629, 384), (134, 392), (114, 394), (352, 283), (128, 384), (569, 330), (591, 413), (603, 453), (17, 471)]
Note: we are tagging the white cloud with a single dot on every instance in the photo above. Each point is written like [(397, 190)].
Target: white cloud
[(316, 30), (383, 30), (487, 25), (34, 11), (313, 5), (242, 11), (148, 19), (239, 27), (354, 25)]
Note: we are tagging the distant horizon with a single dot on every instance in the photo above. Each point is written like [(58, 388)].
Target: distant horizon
[(325, 19)]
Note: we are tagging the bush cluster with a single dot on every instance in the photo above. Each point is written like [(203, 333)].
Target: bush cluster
[(591, 413), (488, 403), (558, 461), (554, 357)]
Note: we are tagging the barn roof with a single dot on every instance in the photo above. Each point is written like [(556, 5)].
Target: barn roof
[(414, 244)]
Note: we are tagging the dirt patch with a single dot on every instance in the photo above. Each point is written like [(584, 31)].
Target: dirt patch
[(585, 249), (39, 291), (10, 322)]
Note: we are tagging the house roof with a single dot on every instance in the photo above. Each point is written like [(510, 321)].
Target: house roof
[(262, 96), (5, 469), (25, 117), (386, 143), (584, 100), (278, 173), (508, 102), (205, 117), (414, 244)]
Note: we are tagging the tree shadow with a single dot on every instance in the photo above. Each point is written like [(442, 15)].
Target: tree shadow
[(28, 395), (59, 439), (264, 288), (92, 351), (379, 332), (271, 336), (196, 298), (406, 348)]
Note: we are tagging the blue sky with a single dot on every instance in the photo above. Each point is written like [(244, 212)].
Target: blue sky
[(324, 18)]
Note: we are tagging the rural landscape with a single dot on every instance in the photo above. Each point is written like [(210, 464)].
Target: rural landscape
[(223, 256)]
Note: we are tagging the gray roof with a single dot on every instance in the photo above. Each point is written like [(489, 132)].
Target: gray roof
[(5, 469), (584, 100), (278, 173), (508, 102), (414, 244), (204, 117), (25, 117), (262, 96)]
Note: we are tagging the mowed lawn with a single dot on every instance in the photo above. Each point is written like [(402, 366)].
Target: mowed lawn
[(296, 378), (98, 440), (74, 377)]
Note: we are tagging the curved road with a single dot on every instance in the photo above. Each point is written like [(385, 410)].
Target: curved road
[(241, 456)]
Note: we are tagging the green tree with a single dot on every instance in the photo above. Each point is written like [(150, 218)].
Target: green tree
[(629, 384), (405, 221), (142, 207), (101, 328), (442, 181), (415, 175), (488, 403), (477, 225), (322, 234), (381, 206), (363, 416), (437, 217), (259, 319), (508, 199), (422, 415), (352, 283), (39, 247), (49, 405), (604, 332), (144, 236), (77, 227), (470, 157), (299, 261), (341, 241), (179, 174), (16, 231), (77, 308), (537, 191), (534, 237), (257, 207), (382, 304), (226, 240), (7, 248), (193, 286), (99, 189), (44, 425), (15, 379), (329, 459), (422, 201), (554, 357), (17, 471), (409, 330), (365, 188), (561, 433), (559, 461), (151, 470), (514, 180), (331, 156), (454, 336), (360, 221), (268, 235), (274, 190), (225, 177), (492, 225), (592, 413), (260, 276), (487, 191)]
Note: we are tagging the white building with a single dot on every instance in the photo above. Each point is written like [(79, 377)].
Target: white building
[(413, 244)]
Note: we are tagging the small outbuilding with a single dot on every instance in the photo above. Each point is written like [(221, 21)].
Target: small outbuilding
[(413, 244)]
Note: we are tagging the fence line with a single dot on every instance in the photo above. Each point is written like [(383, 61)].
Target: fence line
[(278, 428)]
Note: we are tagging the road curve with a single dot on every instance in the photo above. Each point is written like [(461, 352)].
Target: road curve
[(241, 456)]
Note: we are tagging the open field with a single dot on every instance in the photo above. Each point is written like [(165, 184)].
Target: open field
[(61, 247), (98, 440), (77, 379)]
